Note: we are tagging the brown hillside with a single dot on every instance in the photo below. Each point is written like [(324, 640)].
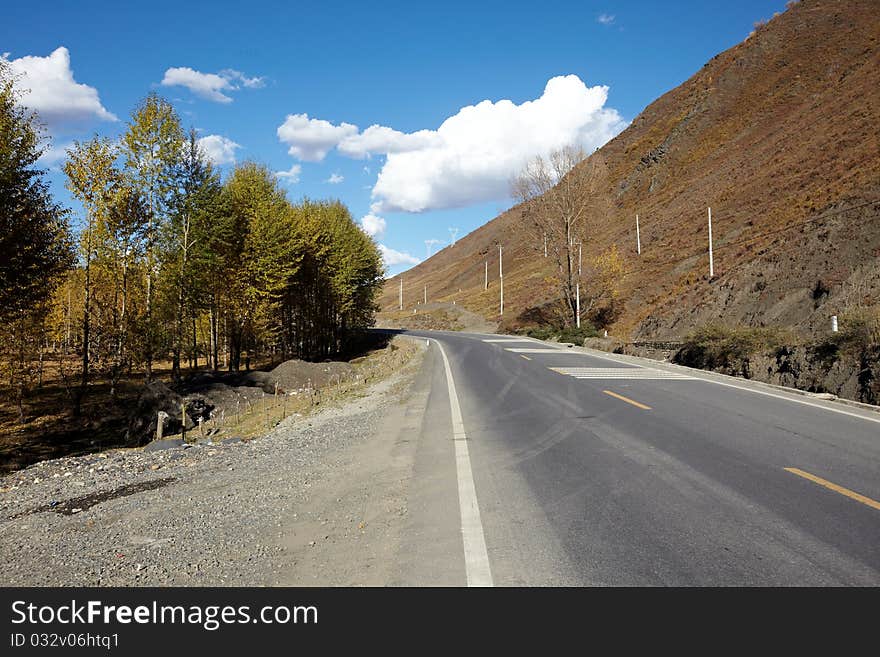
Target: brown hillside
[(780, 135)]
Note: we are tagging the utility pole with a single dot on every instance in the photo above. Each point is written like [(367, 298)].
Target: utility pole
[(545, 245), (401, 292), (638, 238), (426, 295), (711, 260), (486, 283), (501, 278), (578, 288)]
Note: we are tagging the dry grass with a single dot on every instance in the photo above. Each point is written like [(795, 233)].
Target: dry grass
[(255, 419), (49, 429), (773, 133)]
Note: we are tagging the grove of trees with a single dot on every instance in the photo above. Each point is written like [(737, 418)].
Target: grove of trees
[(169, 262), (35, 243)]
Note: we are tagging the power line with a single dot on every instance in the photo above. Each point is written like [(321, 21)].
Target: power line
[(771, 233), (753, 238)]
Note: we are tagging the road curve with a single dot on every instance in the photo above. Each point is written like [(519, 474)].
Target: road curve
[(594, 470)]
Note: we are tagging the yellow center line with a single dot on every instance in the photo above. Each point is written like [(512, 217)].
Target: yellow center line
[(627, 400), (526, 357), (874, 504)]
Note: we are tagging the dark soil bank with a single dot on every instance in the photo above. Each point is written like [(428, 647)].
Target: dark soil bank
[(853, 376)]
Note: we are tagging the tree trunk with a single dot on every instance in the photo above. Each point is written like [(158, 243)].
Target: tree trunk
[(181, 307), (42, 350), (148, 353), (212, 329), (84, 381), (194, 359), (569, 275), (67, 339), (234, 347), (123, 336)]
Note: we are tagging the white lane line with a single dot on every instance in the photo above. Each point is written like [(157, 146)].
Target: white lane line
[(649, 377), (534, 350), (508, 340), (476, 559), (793, 400)]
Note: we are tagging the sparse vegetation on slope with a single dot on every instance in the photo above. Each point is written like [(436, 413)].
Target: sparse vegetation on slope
[(777, 134)]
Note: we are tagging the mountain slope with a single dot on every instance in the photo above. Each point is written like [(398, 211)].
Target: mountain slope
[(779, 135)]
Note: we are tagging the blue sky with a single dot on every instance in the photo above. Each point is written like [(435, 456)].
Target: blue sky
[(297, 85)]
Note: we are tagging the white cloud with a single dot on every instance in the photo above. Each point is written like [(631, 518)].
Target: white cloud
[(54, 154), (311, 139), (210, 85), (381, 139), (392, 257), (291, 176), (473, 154), (255, 82), (218, 149), (207, 85), (372, 225), (335, 179), (53, 93), (605, 19)]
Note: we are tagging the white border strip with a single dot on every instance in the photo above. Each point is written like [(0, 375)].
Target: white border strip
[(476, 559), (705, 376), (793, 400)]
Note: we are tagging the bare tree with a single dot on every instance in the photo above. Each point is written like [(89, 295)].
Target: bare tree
[(556, 197)]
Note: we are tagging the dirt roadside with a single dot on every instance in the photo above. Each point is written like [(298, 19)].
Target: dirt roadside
[(320, 500), (437, 316)]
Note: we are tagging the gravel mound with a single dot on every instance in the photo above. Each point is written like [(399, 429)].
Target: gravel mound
[(297, 374)]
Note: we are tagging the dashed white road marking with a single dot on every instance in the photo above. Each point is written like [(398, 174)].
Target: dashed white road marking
[(793, 400), (766, 393), (476, 558), (535, 350), (508, 340), (643, 373)]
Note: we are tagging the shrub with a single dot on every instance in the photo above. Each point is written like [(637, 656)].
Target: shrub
[(716, 346), (562, 333), (859, 330)]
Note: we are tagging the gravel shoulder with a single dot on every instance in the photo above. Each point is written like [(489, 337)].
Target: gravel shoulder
[(319, 500)]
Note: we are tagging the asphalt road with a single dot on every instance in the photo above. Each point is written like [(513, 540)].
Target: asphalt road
[(595, 470)]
